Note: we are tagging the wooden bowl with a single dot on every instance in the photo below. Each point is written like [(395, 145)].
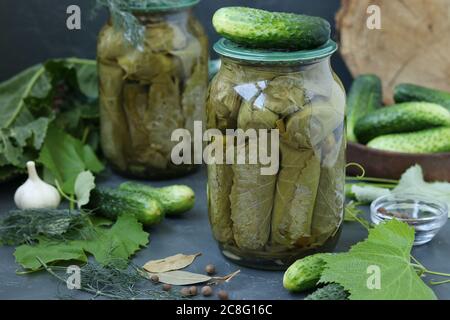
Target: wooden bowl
[(391, 165)]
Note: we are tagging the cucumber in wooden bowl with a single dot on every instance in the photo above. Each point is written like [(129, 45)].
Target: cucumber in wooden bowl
[(434, 140), (257, 28), (379, 163), (364, 96), (406, 92), (401, 118)]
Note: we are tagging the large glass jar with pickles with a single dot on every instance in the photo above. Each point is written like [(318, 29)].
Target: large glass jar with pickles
[(269, 221), (148, 91)]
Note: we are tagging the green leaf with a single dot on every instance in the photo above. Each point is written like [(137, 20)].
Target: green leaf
[(26, 255), (87, 78), (36, 129), (12, 153), (63, 91), (13, 91), (388, 248), (84, 184), (352, 213), (17, 142), (413, 182), (65, 157), (368, 193), (120, 241)]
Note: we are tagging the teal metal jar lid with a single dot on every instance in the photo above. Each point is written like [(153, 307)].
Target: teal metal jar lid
[(233, 50), (157, 5)]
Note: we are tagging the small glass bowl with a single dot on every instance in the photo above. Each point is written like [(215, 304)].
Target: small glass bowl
[(427, 216)]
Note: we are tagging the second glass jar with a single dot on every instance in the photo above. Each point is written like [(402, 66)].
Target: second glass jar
[(269, 221), (146, 93)]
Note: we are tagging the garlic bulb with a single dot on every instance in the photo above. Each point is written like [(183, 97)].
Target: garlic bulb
[(35, 193)]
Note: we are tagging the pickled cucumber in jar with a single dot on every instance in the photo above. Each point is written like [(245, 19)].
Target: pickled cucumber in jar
[(267, 221), (146, 93)]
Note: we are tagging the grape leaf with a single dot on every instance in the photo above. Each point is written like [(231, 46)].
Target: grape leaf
[(88, 79), (120, 241), (65, 157), (47, 251), (12, 93), (17, 144), (60, 91), (368, 193), (84, 184), (387, 247), (352, 212), (412, 181)]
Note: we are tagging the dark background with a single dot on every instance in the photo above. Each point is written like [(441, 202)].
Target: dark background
[(32, 31)]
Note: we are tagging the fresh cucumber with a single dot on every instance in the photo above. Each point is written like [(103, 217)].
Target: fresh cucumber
[(304, 273), (174, 200), (365, 95), (332, 291), (410, 92), (426, 141), (273, 30), (111, 203), (399, 118)]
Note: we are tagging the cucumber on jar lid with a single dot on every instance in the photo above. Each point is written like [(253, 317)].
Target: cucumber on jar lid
[(271, 30)]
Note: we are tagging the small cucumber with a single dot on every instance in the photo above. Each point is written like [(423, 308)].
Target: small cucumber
[(332, 291), (410, 92), (399, 118), (272, 30), (111, 203), (304, 274), (426, 141), (174, 200), (364, 96)]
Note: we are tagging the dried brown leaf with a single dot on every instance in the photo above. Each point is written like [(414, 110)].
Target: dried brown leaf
[(176, 262), (182, 278)]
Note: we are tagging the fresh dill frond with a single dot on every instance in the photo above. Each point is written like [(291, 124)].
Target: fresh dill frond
[(117, 280), (126, 22), (26, 226)]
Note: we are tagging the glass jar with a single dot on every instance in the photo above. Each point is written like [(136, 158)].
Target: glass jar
[(269, 221), (146, 93)]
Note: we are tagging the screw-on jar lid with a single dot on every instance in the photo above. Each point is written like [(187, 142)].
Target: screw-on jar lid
[(157, 5), (233, 50)]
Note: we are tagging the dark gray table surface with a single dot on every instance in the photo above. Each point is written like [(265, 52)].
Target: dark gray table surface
[(191, 234)]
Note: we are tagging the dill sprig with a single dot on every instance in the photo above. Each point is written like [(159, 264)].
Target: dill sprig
[(119, 279), (126, 22), (26, 226)]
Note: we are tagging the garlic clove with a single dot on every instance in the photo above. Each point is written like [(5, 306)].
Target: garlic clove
[(35, 193)]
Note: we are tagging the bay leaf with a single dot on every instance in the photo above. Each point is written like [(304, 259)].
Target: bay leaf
[(176, 262), (182, 278)]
